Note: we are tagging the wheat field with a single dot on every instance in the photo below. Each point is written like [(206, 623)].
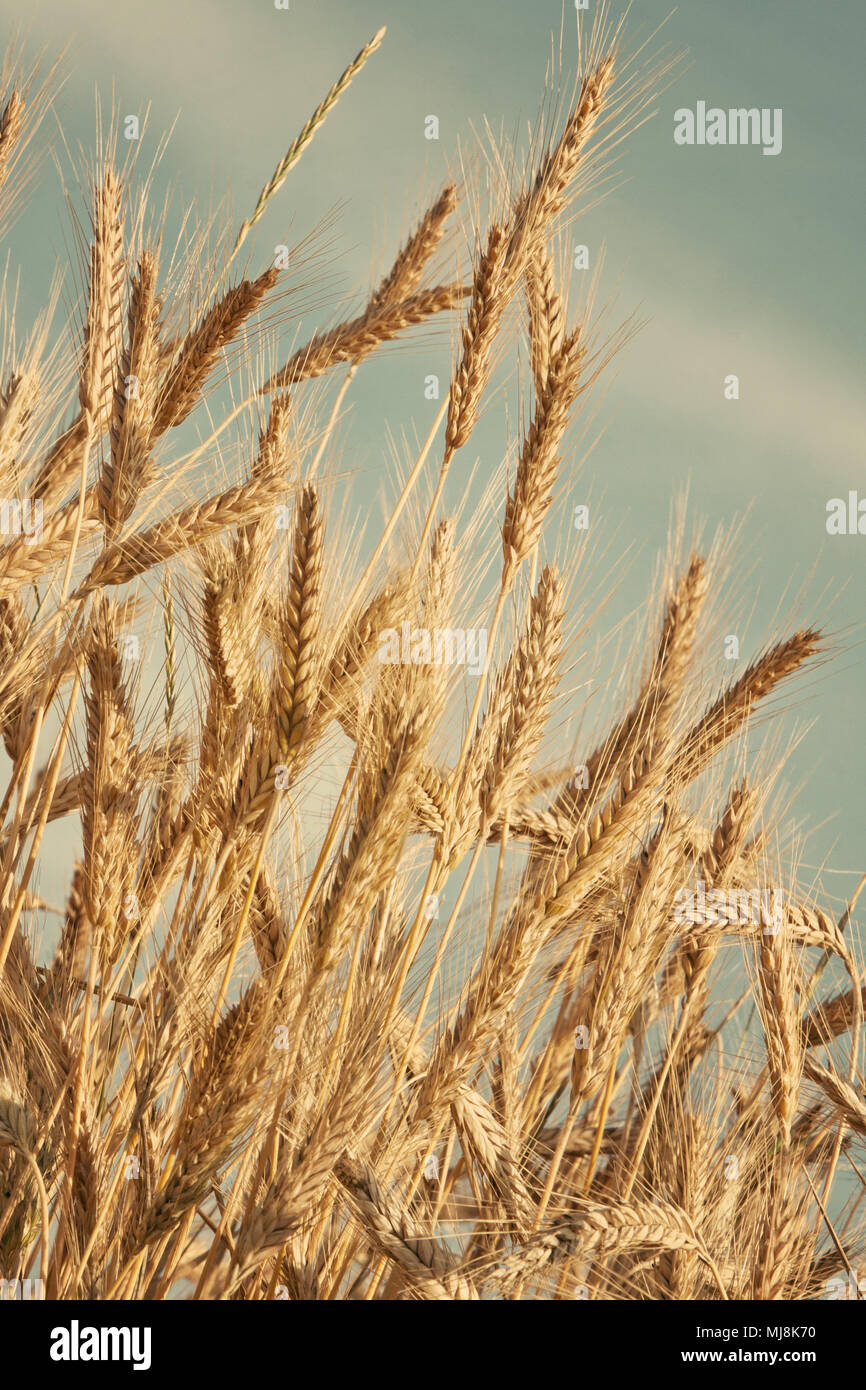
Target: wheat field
[(369, 985)]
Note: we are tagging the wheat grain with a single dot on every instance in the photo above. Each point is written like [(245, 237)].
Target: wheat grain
[(386, 1000)]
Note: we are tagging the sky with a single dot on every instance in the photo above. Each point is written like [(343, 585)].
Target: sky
[(734, 262)]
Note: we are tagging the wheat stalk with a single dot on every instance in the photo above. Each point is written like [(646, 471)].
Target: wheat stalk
[(385, 999)]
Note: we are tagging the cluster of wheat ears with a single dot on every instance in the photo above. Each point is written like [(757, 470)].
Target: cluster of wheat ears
[(366, 987)]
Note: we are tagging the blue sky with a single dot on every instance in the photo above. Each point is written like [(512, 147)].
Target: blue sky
[(737, 263)]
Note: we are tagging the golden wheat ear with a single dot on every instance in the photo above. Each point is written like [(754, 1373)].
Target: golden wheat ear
[(373, 982)]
